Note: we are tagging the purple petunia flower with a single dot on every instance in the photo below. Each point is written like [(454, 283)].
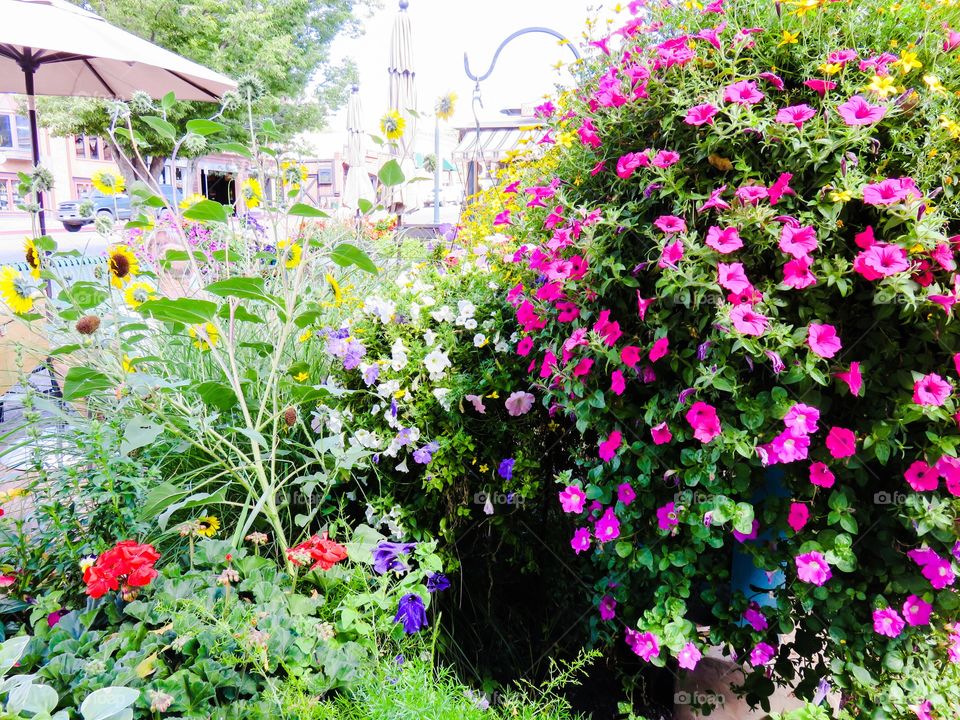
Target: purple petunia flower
[(425, 454), (411, 613), (371, 374), (437, 582), (386, 556), (506, 468)]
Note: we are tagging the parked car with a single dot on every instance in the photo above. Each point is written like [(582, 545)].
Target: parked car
[(74, 214)]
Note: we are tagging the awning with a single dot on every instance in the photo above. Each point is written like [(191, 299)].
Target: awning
[(494, 143)]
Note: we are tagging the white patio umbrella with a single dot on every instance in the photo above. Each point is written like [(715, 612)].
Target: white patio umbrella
[(357, 185), (403, 98), (51, 47)]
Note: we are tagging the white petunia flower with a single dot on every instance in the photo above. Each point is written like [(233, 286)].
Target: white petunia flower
[(444, 314), (479, 340), (443, 397), (429, 337), (398, 358), (436, 363)]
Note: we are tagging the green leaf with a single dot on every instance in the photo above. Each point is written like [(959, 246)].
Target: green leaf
[(162, 127), (862, 675), (205, 127), (391, 174), (82, 381), (105, 703), (308, 211), (181, 310), (234, 147), (11, 651), (84, 294), (168, 100), (216, 394), (623, 549), (364, 205), (139, 432), (207, 211), (196, 500), (249, 288), (346, 255), (240, 313)]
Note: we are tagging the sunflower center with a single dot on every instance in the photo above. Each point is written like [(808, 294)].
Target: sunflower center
[(32, 259), (120, 264), (22, 288)]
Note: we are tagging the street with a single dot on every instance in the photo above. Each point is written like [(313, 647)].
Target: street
[(13, 229)]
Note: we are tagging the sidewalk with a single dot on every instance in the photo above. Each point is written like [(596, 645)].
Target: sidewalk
[(15, 227)]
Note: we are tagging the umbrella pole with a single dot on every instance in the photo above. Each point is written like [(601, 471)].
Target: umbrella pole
[(28, 70)]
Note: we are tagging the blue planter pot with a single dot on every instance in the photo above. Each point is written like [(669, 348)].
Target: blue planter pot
[(756, 583)]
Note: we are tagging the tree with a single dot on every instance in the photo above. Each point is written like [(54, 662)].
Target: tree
[(281, 48)]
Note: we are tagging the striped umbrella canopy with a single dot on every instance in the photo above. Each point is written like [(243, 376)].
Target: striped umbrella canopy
[(403, 91), (358, 183)]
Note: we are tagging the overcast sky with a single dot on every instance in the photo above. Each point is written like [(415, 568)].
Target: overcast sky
[(443, 30)]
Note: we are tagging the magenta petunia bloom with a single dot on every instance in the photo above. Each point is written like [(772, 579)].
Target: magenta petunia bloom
[(672, 254), (812, 568), (857, 111), (617, 382), (661, 434), (885, 259), (922, 477), (916, 611), (780, 187), (608, 448), (659, 349), (701, 114), (715, 201), (762, 654), (723, 241), (630, 355), (923, 710), (823, 340), (748, 322), (625, 493), (628, 163), (689, 656), (670, 224), (502, 218), (820, 86), (644, 644), (841, 442), (607, 527), (572, 499), (744, 92), (732, 277), (644, 304), (798, 241), (797, 275), (664, 159), (773, 79), (802, 419), (788, 447), (887, 622), (667, 516), (949, 469), (752, 194), (795, 115), (852, 378), (588, 134), (798, 517), (582, 368), (752, 535), (931, 390), (580, 540), (891, 191), (608, 608), (525, 346), (821, 475), (704, 421), (755, 617)]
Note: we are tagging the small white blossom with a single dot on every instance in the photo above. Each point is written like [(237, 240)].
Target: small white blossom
[(388, 388), (383, 310), (479, 340), (398, 357), (444, 314), (429, 337), (436, 363), (470, 324)]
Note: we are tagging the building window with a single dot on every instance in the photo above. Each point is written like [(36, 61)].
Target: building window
[(82, 187), (14, 133), (90, 147), (325, 174)]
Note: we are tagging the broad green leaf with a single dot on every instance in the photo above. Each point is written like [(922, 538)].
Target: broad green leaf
[(240, 313), (346, 255), (84, 294), (168, 100), (106, 702), (11, 651), (207, 211), (308, 211), (139, 432), (234, 147), (163, 128), (391, 174), (364, 205), (216, 394), (82, 381), (249, 288), (205, 127), (181, 310), (196, 500)]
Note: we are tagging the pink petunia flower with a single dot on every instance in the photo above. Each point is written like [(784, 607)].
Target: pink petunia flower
[(916, 611), (755, 617), (672, 254), (788, 447), (643, 304), (607, 527), (608, 608), (748, 322), (646, 645), (477, 402), (667, 516), (625, 493), (821, 475), (752, 194), (582, 368), (519, 403), (798, 241), (732, 277), (884, 259), (922, 710), (780, 187), (823, 339), (744, 92), (752, 535), (931, 390), (773, 79), (664, 159), (857, 111), (670, 224), (630, 355), (820, 86), (617, 382), (608, 448), (659, 349), (608, 329), (888, 622), (795, 115), (891, 191), (852, 378), (802, 419), (580, 540), (572, 499), (798, 517), (715, 201), (841, 442), (701, 114), (762, 654), (588, 134), (628, 163), (704, 421), (812, 568), (525, 346), (797, 275), (724, 241), (661, 434), (922, 477), (689, 656)]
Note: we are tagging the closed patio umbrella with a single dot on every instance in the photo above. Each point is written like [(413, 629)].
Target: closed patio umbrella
[(403, 99), (357, 185), (52, 47)]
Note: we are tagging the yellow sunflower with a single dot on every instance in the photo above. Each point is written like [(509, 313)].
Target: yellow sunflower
[(139, 293), (294, 173), (190, 200), (208, 526), (446, 105), (108, 182), (252, 192), (392, 125), (127, 364), (204, 336), (32, 256), (290, 253), (15, 291), (335, 286), (123, 265)]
